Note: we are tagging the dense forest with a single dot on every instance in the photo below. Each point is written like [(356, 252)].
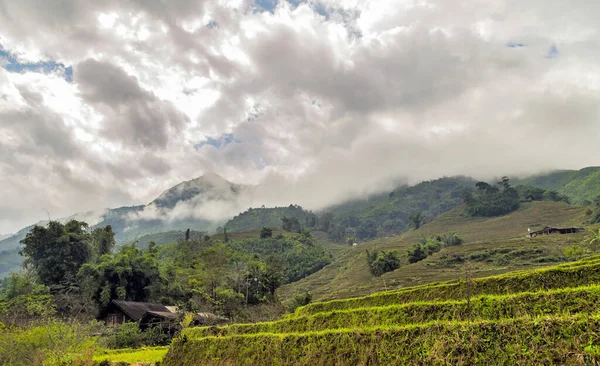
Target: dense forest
[(76, 272)]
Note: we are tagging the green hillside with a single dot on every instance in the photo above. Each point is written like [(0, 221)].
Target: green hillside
[(580, 185), (256, 218), (544, 316), (493, 245)]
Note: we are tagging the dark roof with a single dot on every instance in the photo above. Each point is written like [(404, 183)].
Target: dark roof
[(135, 310), (162, 314)]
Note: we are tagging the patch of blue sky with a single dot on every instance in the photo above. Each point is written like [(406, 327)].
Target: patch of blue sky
[(515, 45), (219, 142), (552, 52), (266, 5), (321, 10), (11, 64)]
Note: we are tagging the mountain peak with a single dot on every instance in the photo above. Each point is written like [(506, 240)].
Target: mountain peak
[(209, 186)]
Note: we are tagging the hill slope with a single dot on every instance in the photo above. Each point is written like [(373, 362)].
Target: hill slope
[(494, 245), (546, 316), (579, 185)]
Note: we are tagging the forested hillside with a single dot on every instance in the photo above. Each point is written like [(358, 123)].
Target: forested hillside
[(581, 186), (256, 218)]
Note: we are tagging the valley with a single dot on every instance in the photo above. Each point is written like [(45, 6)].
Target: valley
[(353, 281)]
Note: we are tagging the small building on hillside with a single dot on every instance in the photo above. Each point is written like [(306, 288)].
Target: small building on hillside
[(555, 230), (146, 313)]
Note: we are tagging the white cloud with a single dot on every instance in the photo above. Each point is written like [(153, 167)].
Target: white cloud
[(321, 107)]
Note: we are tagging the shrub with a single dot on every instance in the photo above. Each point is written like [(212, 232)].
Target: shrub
[(266, 232), (382, 262), (50, 343), (416, 254), (129, 335), (433, 244), (300, 300)]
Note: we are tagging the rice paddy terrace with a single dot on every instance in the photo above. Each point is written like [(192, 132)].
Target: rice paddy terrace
[(542, 316)]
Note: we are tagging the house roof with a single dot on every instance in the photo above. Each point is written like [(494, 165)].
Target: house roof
[(162, 314), (135, 310)]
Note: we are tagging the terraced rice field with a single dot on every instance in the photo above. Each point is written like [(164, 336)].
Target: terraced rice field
[(545, 316)]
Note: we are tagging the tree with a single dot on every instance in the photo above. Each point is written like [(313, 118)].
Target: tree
[(326, 221), (504, 182), (382, 262), (187, 235), (336, 232), (103, 241), (291, 224), (225, 235), (266, 232), (367, 230), (273, 277), (130, 274), (416, 254), (416, 219), (57, 252)]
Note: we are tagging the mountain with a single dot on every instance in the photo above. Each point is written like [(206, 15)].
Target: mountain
[(4, 236), (580, 185), (209, 187), (201, 204)]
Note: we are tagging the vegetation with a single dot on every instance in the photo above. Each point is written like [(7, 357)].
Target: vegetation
[(549, 340), (580, 186), (493, 245), (396, 211), (433, 244), (547, 278), (553, 323), (382, 262), (492, 200), (256, 218)]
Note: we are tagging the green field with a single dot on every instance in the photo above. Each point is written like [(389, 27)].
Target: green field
[(540, 316), (149, 355)]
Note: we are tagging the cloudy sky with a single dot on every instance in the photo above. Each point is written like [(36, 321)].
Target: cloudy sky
[(108, 103)]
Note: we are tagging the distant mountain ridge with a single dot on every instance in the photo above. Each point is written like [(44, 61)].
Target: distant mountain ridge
[(196, 203), (186, 199)]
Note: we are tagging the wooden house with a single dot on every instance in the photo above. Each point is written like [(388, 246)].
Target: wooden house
[(556, 230), (146, 313)]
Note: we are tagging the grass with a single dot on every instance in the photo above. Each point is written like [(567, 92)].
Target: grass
[(500, 243), (527, 317), (149, 355), (546, 340), (430, 315), (529, 304), (532, 280)]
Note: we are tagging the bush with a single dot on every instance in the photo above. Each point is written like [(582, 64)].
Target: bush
[(417, 253), (266, 232), (380, 263), (431, 245), (129, 335), (50, 343), (300, 300)]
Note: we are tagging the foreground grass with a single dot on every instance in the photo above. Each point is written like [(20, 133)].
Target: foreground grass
[(150, 355), (548, 340), (580, 274), (527, 304)]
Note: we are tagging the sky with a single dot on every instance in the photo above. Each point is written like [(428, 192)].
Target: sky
[(109, 103)]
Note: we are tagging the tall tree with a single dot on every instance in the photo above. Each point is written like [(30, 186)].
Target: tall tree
[(57, 252), (416, 219), (103, 241)]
